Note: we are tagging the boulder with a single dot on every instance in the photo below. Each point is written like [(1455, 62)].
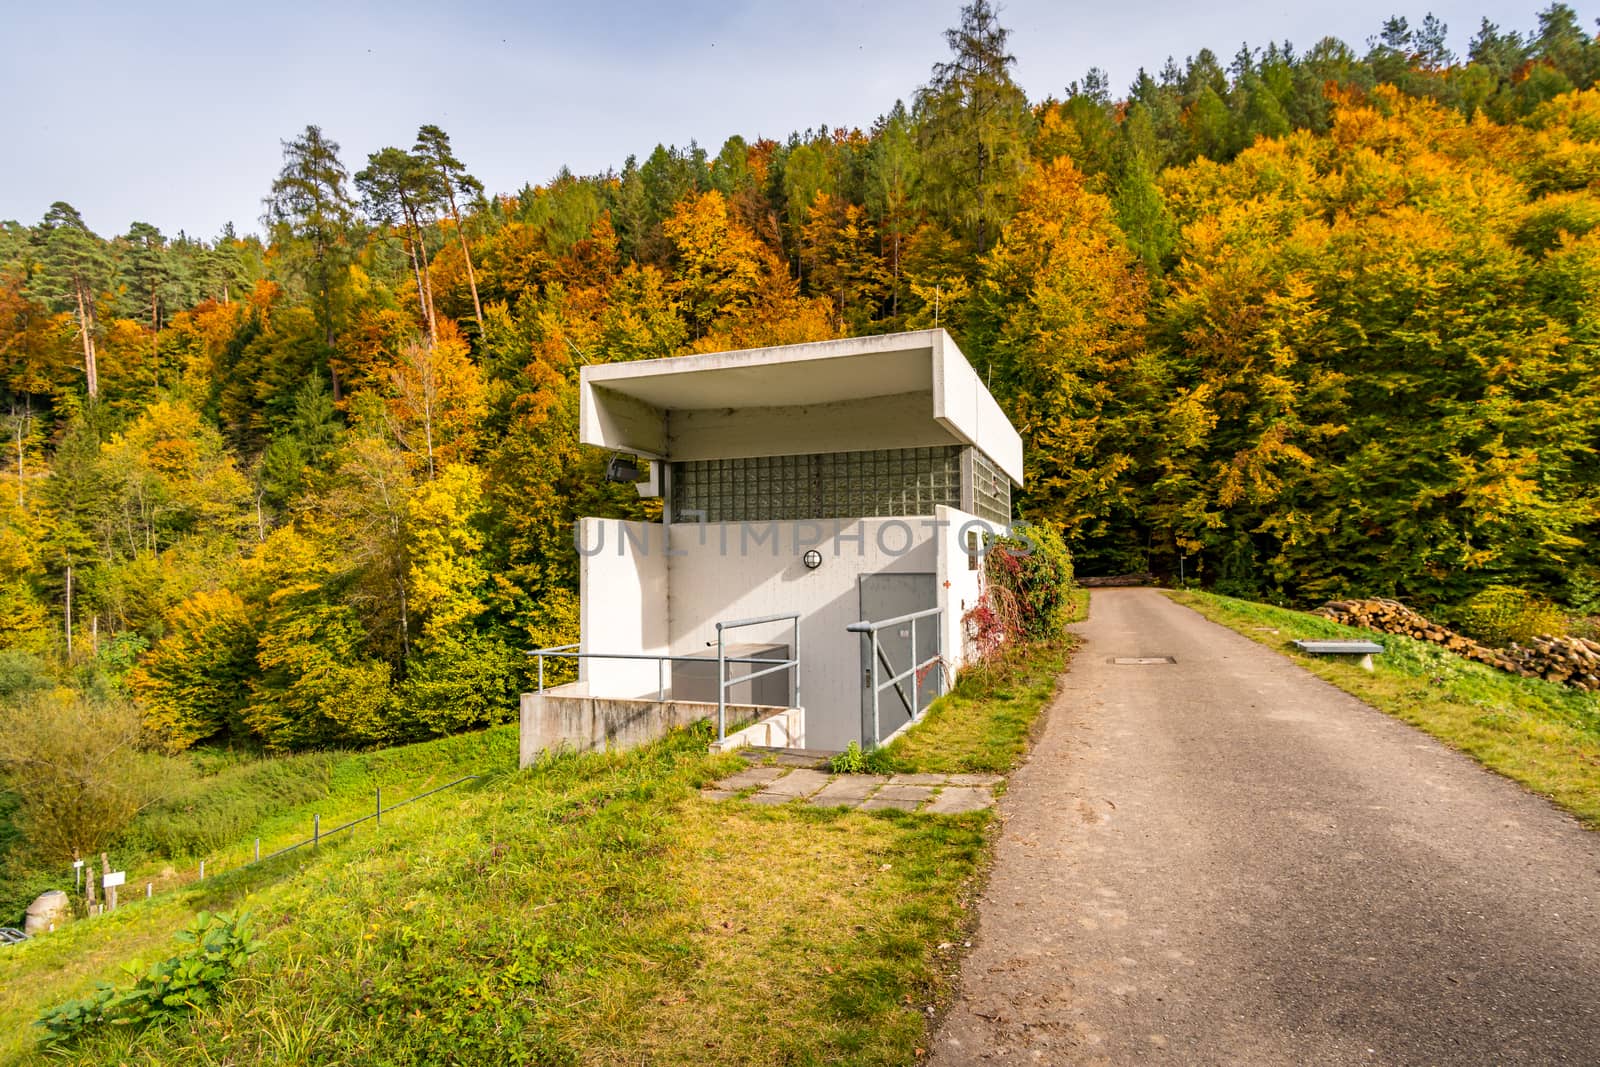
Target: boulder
[(48, 911)]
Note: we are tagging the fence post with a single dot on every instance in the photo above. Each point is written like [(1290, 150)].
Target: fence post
[(379, 814), (316, 829), (258, 850), (916, 674), (541, 672), (661, 683), (202, 870), (794, 700), (149, 887), (877, 730), (722, 689)]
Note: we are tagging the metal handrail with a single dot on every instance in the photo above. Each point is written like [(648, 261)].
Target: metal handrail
[(561, 651), (723, 682), (723, 659), (875, 655)]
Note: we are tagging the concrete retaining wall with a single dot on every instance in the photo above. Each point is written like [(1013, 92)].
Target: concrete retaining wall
[(568, 717)]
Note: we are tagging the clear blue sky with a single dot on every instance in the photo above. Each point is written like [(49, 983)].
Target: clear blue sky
[(172, 112)]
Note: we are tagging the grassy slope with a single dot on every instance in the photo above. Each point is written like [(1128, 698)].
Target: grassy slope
[(1545, 736), (591, 910), (216, 815)]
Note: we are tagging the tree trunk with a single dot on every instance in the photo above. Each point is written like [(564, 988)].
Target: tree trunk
[(69, 611), (416, 271), (419, 259), (466, 254), (86, 331)]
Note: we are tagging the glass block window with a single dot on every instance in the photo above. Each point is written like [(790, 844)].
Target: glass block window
[(821, 485), (991, 490)]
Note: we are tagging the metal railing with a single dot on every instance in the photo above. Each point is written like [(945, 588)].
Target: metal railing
[(771, 666), (723, 682), (872, 727)]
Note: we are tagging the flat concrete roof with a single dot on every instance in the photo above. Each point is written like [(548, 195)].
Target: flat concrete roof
[(884, 391)]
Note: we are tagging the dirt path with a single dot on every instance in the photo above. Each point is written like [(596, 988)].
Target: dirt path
[(1226, 860)]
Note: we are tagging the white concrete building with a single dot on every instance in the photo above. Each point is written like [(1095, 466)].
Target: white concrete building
[(883, 458)]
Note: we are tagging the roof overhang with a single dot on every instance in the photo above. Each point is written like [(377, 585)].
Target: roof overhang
[(887, 391)]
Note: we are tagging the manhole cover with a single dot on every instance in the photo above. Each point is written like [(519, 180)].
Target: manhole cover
[(1140, 661)]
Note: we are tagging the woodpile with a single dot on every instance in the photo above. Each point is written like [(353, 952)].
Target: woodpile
[(1573, 661)]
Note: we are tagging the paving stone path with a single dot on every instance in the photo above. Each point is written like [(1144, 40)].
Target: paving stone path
[(783, 782)]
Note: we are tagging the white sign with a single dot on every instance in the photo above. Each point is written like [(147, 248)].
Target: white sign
[(114, 878), (77, 863)]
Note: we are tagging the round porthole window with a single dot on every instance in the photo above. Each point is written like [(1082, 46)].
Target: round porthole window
[(812, 559)]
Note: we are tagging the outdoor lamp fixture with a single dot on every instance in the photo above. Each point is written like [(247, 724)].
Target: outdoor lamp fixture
[(812, 559), (622, 468)]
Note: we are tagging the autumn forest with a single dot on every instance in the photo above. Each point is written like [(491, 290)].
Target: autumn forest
[(1302, 323)]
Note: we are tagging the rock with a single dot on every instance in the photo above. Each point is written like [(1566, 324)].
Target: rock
[(48, 911)]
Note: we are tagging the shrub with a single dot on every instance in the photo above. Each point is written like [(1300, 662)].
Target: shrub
[(1501, 614), (72, 762), (1027, 590), (218, 947)]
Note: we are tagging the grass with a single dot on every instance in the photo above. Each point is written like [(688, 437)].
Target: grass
[(590, 910), (215, 807), (983, 724), (1545, 736)]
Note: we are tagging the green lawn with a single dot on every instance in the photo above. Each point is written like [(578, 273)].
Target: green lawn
[(592, 910), (1543, 735)]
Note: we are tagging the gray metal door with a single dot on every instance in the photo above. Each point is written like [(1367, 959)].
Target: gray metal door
[(887, 596)]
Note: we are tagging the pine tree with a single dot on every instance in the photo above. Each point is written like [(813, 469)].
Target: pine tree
[(74, 267), (310, 210), (973, 122)]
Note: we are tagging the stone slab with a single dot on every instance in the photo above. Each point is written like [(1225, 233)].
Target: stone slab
[(975, 779), (848, 790), (883, 803), (918, 779), (798, 783), (956, 800), (766, 797), (900, 797), (717, 794), (750, 777)]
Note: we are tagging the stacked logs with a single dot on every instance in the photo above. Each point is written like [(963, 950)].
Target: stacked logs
[(1118, 580), (1573, 661)]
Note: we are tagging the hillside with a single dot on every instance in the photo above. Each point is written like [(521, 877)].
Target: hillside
[(588, 910)]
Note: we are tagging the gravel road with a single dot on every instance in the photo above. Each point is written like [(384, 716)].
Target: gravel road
[(1226, 860)]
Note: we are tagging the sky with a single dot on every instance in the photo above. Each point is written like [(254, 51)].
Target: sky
[(173, 113)]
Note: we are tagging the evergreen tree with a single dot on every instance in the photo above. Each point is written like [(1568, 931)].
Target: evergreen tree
[(310, 211), (972, 124), (74, 267)]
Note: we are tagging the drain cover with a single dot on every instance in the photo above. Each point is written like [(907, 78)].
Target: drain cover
[(1140, 661)]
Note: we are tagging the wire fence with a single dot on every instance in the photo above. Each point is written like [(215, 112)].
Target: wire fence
[(318, 835)]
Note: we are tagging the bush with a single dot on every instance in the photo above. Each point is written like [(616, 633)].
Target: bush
[(218, 947), (1027, 592), (72, 762), (1501, 614)]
